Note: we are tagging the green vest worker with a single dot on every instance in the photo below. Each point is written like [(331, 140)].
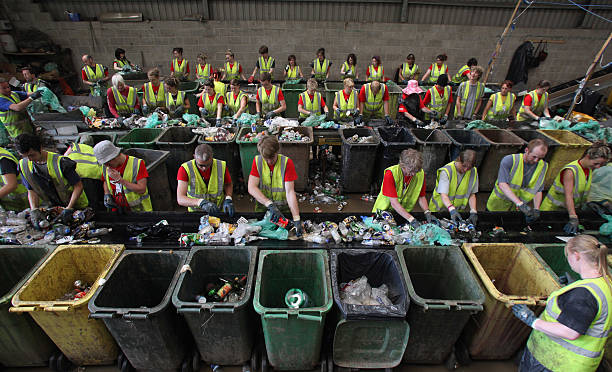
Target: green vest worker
[(124, 179), (349, 67), (438, 99), (463, 73), (409, 70), (521, 180), (469, 95), (88, 168), (374, 102), (292, 70), (456, 188), (320, 66), (32, 83), (13, 114), (270, 99), (236, 101), (203, 69), (94, 74), (403, 185), (311, 102), (573, 183), (345, 102), (271, 183), (13, 194), (176, 102), (265, 63), (211, 103), (375, 71), (571, 333), (122, 99), (501, 104), (50, 177), (436, 70), (121, 62), (179, 67), (202, 183), (153, 92), (232, 69), (535, 103)]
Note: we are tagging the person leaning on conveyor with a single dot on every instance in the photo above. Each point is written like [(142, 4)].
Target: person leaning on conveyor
[(292, 70), (572, 185), (520, 180), (464, 72), (13, 194), (13, 114), (179, 67), (411, 105), (153, 92), (438, 100), (88, 168), (270, 99), (311, 102), (122, 99), (376, 71), (236, 101), (94, 74), (345, 102), (121, 61), (501, 104), (49, 177), (320, 66), (469, 95), (374, 103), (203, 69), (203, 182), (267, 185), (409, 70), (176, 102), (211, 103), (349, 67), (403, 185), (456, 188), (232, 69), (571, 333), (435, 70), (265, 63), (124, 179), (32, 83), (535, 103)]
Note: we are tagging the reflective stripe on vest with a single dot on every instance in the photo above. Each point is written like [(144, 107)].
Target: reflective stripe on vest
[(585, 352), (498, 200), (202, 72), (125, 105), (137, 202), (407, 71), (20, 194), (458, 78), (555, 199), (120, 63), (345, 105), (459, 194), (436, 72), (152, 99), (94, 75), (234, 103), (537, 106), (63, 188), (198, 189), (269, 102), (293, 73), (211, 107), (312, 106), (320, 69), (172, 103), (348, 70), (31, 87), (438, 103), (180, 69), (232, 72), (265, 66), (500, 109), (408, 196), (16, 122), (220, 87), (375, 74), (373, 103), (272, 186), (466, 94), (87, 165)]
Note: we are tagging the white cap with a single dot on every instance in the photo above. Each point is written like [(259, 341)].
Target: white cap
[(105, 151)]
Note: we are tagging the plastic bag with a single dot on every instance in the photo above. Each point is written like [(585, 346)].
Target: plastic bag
[(479, 124), (246, 120), (50, 99), (606, 228), (278, 234), (153, 121), (314, 120), (593, 131), (600, 184), (87, 111), (553, 124), (359, 292), (429, 234), (192, 120), (369, 222)]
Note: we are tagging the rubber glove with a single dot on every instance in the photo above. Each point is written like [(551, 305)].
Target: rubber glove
[(444, 120), (109, 202), (66, 216), (270, 115), (145, 110), (456, 217), (431, 218), (524, 314), (209, 207), (36, 95), (203, 112), (358, 120), (572, 226), (528, 212), (178, 112), (388, 120), (415, 223), (338, 112), (36, 216), (275, 213), (418, 123), (473, 219), (299, 229), (218, 123), (228, 207)]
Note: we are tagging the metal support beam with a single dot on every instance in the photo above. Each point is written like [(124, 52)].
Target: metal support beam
[(205, 10), (404, 14)]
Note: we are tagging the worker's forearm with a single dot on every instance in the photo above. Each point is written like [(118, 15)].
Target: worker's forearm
[(569, 201), (7, 189), (255, 192), (410, 117), (185, 201), (254, 71), (530, 113), (458, 106), (293, 205), (228, 188), (448, 106), (477, 108), (423, 203), (33, 199), (361, 105), (139, 188), (395, 204), (446, 200), (555, 329), (537, 200), (505, 188), (76, 193), (472, 203), (282, 108), (219, 110), (301, 110), (386, 107)]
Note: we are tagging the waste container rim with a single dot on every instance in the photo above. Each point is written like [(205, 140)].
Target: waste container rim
[(120, 141), (372, 144), (200, 138), (247, 298), (62, 306), (166, 130), (309, 131), (419, 141), (166, 300), (534, 246), (393, 143), (579, 140), (457, 143), (520, 144), (321, 310), (457, 305), (6, 298), (258, 129)]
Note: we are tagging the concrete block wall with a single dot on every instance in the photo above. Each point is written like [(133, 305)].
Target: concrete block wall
[(150, 43)]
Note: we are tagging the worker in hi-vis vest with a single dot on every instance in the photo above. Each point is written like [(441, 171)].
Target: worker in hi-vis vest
[(535, 103)]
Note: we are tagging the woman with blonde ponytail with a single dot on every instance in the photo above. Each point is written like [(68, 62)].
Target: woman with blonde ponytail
[(571, 332)]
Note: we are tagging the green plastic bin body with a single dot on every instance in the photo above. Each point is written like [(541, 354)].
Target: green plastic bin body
[(22, 342), (395, 92), (553, 257), (180, 142), (143, 138), (293, 336), (434, 145), (444, 294), (503, 142), (102, 136), (191, 89), (232, 322), (571, 147), (248, 151), (299, 152), (228, 152), (157, 183), (292, 92)]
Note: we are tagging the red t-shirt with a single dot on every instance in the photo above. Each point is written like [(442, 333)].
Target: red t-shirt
[(527, 101), (172, 65), (110, 98), (155, 88), (290, 174), (362, 95), (301, 102), (585, 170), (427, 98), (142, 173), (182, 175), (432, 65), (402, 108), (210, 99), (268, 91), (388, 186), (375, 69), (84, 75)]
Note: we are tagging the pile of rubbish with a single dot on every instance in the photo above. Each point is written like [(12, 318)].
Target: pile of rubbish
[(49, 226), (326, 186), (81, 289), (480, 124), (159, 231), (253, 137), (290, 135), (46, 103), (359, 292), (361, 139), (215, 134), (274, 125), (223, 290), (210, 232)]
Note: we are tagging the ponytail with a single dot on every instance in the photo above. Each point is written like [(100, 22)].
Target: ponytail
[(592, 250)]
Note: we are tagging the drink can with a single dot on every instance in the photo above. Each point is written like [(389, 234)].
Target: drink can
[(295, 298), (254, 127)]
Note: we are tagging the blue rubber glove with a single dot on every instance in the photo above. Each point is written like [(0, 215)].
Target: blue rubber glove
[(358, 120), (415, 223), (145, 110), (338, 112), (572, 226), (299, 229), (524, 314), (388, 120), (473, 219), (209, 207), (203, 112), (431, 218), (218, 123), (456, 217), (228, 207), (66, 216), (270, 115)]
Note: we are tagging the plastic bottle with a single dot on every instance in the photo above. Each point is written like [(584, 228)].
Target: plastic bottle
[(61, 229), (99, 232)]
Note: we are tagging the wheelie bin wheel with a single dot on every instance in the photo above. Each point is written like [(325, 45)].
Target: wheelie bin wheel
[(264, 360), (323, 363), (120, 358), (195, 360), (53, 362), (462, 355), (187, 366), (126, 366), (330, 363), (255, 360), (451, 362), (63, 363)]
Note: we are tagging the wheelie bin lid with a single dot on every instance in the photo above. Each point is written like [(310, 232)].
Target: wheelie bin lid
[(6, 297)]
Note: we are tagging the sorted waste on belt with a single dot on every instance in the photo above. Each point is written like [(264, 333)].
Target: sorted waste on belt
[(291, 135), (361, 139), (214, 134), (359, 292), (480, 124), (158, 231)]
